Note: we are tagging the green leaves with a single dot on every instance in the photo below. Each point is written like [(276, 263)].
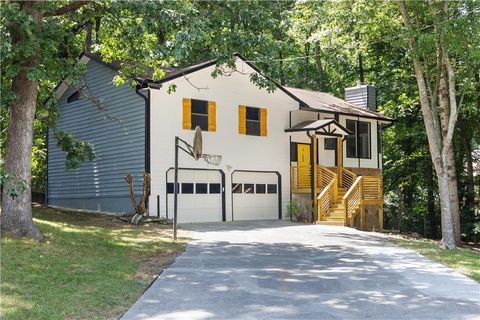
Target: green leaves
[(77, 151), (13, 185)]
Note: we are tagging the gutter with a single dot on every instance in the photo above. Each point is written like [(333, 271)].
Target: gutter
[(146, 98)]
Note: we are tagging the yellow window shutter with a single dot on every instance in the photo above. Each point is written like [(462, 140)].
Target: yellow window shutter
[(187, 113), (242, 120), (263, 122), (212, 116)]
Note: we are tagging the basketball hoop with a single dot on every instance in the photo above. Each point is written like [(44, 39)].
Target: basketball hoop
[(213, 159), (194, 151), (197, 143)]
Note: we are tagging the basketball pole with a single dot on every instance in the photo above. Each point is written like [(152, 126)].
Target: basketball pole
[(175, 193)]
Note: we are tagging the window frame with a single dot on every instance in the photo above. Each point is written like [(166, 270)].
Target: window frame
[(201, 184), (76, 96), (184, 184), (355, 137), (196, 114), (333, 141), (269, 190), (252, 121), (216, 184)]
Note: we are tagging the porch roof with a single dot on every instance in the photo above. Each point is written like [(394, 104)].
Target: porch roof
[(324, 102), (327, 127)]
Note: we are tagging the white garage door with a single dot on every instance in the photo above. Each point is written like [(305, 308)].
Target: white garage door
[(199, 198), (255, 195)]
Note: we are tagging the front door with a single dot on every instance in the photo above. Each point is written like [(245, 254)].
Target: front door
[(303, 162)]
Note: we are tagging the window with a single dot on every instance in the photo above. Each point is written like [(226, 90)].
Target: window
[(359, 143), (260, 188), (364, 140), (379, 138), (187, 188), (201, 188), (293, 151), (200, 114), (236, 188), (271, 188), (253, 121), (248, 188), (351, 141), (330, 143), (77, 95), (170, 188), (214, 187)]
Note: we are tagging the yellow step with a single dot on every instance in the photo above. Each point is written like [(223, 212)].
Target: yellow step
[(331, 223)]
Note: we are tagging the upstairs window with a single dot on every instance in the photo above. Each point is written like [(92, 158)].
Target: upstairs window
[(252, 121), (77, 95), (359, 143), (200, 113)]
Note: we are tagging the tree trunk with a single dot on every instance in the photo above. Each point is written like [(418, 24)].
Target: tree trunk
[(455, 206), (470, 195), (88, 36), (448, 237), (431, 202), (16, 214), (444, 102), (321, 73), (438, 141)]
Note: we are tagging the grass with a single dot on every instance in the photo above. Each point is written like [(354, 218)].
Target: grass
[(464, 260), (89, 267)]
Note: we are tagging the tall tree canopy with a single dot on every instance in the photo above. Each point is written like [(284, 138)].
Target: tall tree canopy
[(415, 53)]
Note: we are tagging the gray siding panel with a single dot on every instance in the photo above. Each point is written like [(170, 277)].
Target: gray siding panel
[(118, 140)]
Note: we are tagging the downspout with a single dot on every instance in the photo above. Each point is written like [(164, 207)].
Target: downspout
[(312, 177), (146, 98)]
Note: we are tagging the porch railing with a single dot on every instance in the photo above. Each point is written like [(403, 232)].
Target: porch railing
[(327, 197), (365, 190), (300, 177), (348, 178)]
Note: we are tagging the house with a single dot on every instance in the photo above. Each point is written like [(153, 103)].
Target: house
[(290, 143)]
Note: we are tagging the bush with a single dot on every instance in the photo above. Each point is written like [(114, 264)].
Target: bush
[(300, 210)]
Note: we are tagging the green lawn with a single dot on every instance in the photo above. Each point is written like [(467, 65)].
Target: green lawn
[(89, 267), (464, 260)]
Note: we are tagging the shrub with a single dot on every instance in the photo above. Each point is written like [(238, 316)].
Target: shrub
[(300, 210)]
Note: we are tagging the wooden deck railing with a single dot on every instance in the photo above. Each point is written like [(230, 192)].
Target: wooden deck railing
[(361, 191), (365, 190), (300, 177), (348, 178), (352, 200), (327, 197)]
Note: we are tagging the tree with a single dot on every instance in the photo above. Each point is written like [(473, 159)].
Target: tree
[(432, 41), (25, 27)]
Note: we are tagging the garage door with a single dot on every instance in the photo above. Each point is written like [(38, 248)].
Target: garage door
[(200, 195), (255, 195)]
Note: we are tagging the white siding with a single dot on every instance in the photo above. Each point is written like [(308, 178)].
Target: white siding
[(239, 152)]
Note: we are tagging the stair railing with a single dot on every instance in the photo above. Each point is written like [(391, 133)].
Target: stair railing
[(328, 196), (348, 178), (353, 200)]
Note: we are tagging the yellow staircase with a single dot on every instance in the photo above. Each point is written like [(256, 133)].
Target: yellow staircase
[(336, 213)]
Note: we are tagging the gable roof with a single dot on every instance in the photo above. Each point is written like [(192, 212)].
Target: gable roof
[(322, 101), (308, 100), (328, 126)]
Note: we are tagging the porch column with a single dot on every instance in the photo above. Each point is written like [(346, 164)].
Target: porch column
[(313, 170), (340, 159)]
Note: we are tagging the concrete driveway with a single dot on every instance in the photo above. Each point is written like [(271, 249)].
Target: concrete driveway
[(280, 270)]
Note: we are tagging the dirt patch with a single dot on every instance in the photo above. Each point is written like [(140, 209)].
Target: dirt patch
[(152, 266), (79, 218)]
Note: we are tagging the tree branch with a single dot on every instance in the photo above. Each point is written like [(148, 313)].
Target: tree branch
[(67, 8)]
